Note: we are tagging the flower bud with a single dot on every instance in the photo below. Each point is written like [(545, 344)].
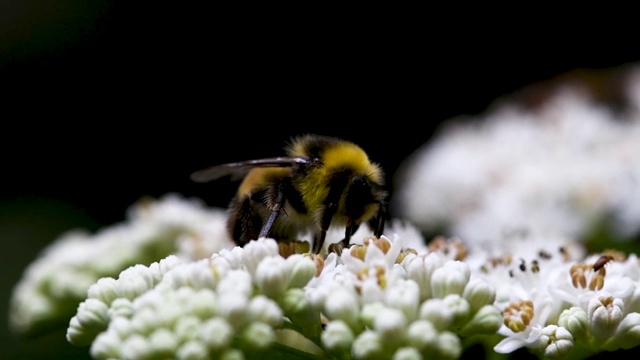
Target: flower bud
[(437, 312), (203, 304), (105, 290), (265, 310), (144, 321), (487, 320), (417, 272), (77, 335), (136, 346), (604, 313), (236, 282), (121, 327), (192, 350), (449, 345), (256, 250), (555, 341), (93, 315), (369, 312), (628, 333), (163, 342), (158, 269), (233, 257), (258, 335), (422, 335), (405, 296), (107, 345), (343, 305), (459, 307), (451, 278), (368, 345), (407, 353), (337, 337), (216, 333), (298, 308), (233, 307), (575, 321), (186, 328), (391, 324), (478, 293), (301, 269), (133, 282), (272, 276)]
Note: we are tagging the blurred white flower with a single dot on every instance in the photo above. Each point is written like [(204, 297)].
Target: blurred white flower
[(57, 281), (559, 169)]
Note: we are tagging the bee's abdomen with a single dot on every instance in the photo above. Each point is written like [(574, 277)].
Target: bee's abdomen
[(244, 222)]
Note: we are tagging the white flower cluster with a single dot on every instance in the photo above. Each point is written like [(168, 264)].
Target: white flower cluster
[(563, 169), (556, 302), (224, 307), (54, 284), (381, 301), (375, 300)]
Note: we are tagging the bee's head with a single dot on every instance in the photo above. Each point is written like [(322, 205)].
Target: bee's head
[(361, 192)]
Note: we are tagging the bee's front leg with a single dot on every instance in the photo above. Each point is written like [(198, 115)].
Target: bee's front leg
[(377, 223), (344, 243), (276, 207), (318, 242)]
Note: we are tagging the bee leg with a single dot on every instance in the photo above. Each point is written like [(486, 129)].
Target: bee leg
[(348, 233), (318, 242), (377, 223), (276, 208), (340, 245)]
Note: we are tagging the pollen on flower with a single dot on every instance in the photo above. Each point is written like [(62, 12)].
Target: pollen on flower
[(606, 301), (358, 251), (403, 254), (319, 261), (596, 272), (453, 247), (378, 271), (543, 254), (496, 261), (294, 247), (517, 316), (578, 276), (535, 266), (597, 282), (382, 243)]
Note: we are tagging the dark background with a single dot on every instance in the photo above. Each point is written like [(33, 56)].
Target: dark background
[(104, 102)]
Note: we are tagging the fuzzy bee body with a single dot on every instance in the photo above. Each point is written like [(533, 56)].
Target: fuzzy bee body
[(321, 182)]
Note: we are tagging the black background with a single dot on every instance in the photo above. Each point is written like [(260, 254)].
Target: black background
[(104, 102)]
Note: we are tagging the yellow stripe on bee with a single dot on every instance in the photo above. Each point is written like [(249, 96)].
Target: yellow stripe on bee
[(259, 177), (351, 156)]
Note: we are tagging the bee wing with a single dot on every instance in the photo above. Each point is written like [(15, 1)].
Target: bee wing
[(239, 169)]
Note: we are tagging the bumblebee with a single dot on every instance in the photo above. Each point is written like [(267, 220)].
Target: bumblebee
[(321, 182)]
